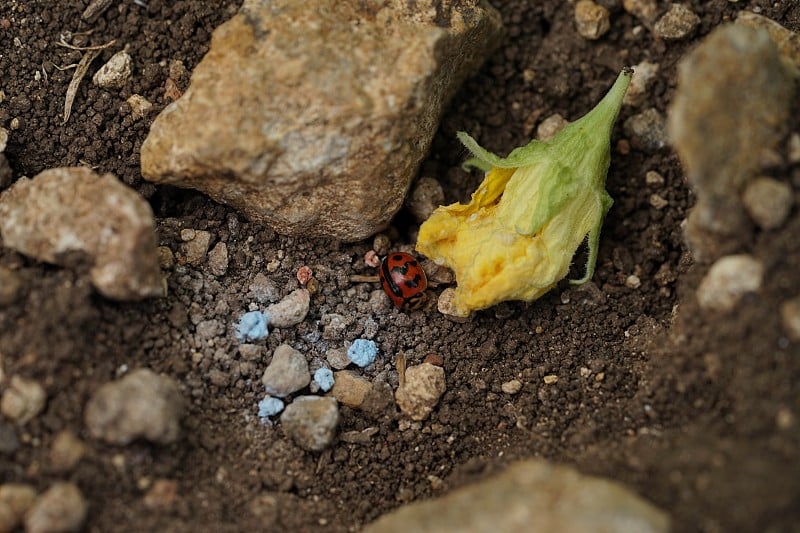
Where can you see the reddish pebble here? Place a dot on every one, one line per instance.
(434, 359)
(161, 495)
(371, 259)
(304, 274)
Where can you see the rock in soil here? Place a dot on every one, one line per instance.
(66, 451)
(287, 372)
(350, 389)
(424, 385)
(790, 318)
(15, 500)
(533, 496)
(592, 20)
(143, 404)
(61, 508)
(115, 73)
(22, 400)
(318, 125)
(311, 421)
(64, 211)
(291, 310)
(679, 22)
(728, 280)
(768, 202)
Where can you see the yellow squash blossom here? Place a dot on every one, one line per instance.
(517, 236)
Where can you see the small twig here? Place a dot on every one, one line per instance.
(95, 9)
(67, 67)
(400, 364)
(65, 44)
(80, 72)
(360, 278)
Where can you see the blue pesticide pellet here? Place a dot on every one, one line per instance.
(268, 407)
(362, 352)
(323, 377)
(252, 326)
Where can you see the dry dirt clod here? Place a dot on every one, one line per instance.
(350, 389)
(143, 404)
(286, 373)
(140, 106)
(218, 259)
(418, 395)
(647, 130)
(311, 421)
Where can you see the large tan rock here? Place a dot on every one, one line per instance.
(314, 119)
(533, 496)
(64, 212)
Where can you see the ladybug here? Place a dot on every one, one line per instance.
(403, 280)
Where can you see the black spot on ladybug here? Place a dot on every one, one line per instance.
(397, 257)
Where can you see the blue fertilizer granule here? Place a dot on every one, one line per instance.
(362, 352)
(268, 407)
(323, 377)
(252, 326)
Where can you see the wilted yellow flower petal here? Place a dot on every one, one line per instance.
(517, 236)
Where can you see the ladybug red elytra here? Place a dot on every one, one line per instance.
(403, 280)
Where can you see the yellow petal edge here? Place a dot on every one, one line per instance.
(516, 238)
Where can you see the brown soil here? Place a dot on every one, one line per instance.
(680, 406)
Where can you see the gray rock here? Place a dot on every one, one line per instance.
(730, 107)
(311, 421)
(418, 395)
(61, 508)
(317, 126)
(115, 73)
(728, 280)
(532, 496)
(679, 22)
(291, 310)
(218, 259)
(768, 202)
(67, 210)
(195, 245)
(647, 130)
(787, 41)
(15, 500)
(592, 20)
(286, 373)
(143, 404)
(337, 358)
(22, 400)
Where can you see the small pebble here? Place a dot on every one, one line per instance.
(61, 508)
(143, 404)
(218, 259)
(10, 287)
(291, 310)
(633, 282)
(677, 23)
(550, 126)
(286, 373)
(269, 406)
(637, 90)
(511, 387)
(647, 130)
(550, 379)
(728, 280)
(790, 318)
(140, 106)
(654, 179)
(115, 73)
(382, 243)
(252, 326)
(311, 421)
(446, 306)
(166, 259)
(423, 387)
(15, 500)
(372, 259)
(591, 19)
(263, 289)
(250, 352)
(66, 452)
(323, 377)
(644, 10)
(434, 359)
(22, 400)
(658, 202)
(195, 245)
(161, 495)
(425, 197)
(3, 139)
(350, 389)
(304, 274)
(337, 358)
(768, 202)
(362, 352)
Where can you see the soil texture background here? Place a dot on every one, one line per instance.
(695, 413)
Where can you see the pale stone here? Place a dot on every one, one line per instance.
(425, 197)
(311, 421)
(115, 73)
(143, 404)
(424, 385)
(62, 508)
(291, 310)
(532, 496)
(768, 202)
(790, 318)
(315, 120)
(15, 500)
(140, 106)
(644, 10)
(64, 211)
(787, 41)
(734, 81)
(647, 130)
(677, 23)
(66, 452)
(286, 373)
(637, 90)
(218, 259)
(548, 128)
(195, 245)
(511, 387)
(350, 389)
(592, 20)
(728, 280)
(22, 400)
